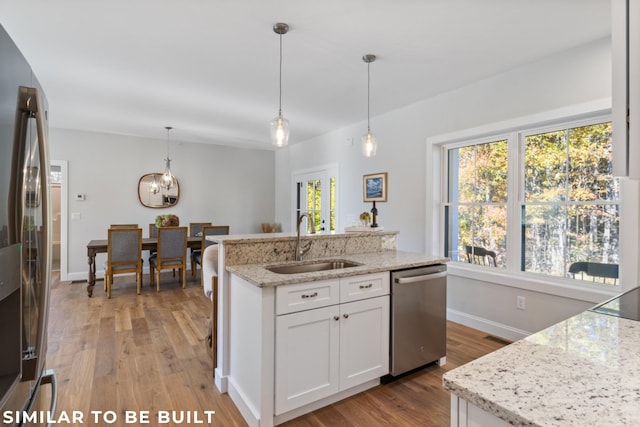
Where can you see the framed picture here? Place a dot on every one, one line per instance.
(374, 187)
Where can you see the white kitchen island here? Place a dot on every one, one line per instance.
(291, 343)
(584, 371)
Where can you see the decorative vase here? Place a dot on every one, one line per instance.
(167, 220)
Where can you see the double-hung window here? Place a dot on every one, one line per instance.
(539, 200)
(476, 211)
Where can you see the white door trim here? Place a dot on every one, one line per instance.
(64, 218)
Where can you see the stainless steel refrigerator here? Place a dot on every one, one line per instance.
(25, 243)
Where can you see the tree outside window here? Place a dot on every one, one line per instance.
(571, 210)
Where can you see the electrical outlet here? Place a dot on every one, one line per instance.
(521, 302)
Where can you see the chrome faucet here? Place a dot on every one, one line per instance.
(300, 252)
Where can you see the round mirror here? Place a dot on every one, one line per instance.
(153, 195)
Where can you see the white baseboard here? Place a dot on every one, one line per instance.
(295, 413)
(489, 326)
(221, 381)
(249, 413)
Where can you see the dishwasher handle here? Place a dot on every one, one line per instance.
(422, 278)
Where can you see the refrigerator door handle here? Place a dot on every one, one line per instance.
(49, 377)
(43, 148)
(45, 266)
(15, 210)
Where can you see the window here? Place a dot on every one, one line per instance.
(548, 192)
(477, 211)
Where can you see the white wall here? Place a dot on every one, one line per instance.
(579, 76)
(219, 184)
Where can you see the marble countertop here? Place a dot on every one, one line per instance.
(584, 371)
(373, 262)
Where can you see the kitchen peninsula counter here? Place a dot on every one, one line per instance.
(579, 372)
(372, 262)
(259, 317)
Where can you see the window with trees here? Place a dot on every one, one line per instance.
(540, 201)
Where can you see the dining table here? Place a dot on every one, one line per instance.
(148, 244)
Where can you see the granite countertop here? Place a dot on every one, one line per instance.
(268, 237)
(371, 263)
(584, 371)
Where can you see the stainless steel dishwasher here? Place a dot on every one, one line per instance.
(418, 318)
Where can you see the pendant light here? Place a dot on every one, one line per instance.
(167, 180)
(369, 141)
(280, 125)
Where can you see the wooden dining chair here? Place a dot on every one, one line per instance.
(123, 226)
(153, 234)
(172, 254)
(195, 228)
(209, 280)
(124, 255)
(153, 231)
(207, 230)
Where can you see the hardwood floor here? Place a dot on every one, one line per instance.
(147, 353)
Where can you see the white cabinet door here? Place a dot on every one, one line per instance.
(307, 345)
(364, 341)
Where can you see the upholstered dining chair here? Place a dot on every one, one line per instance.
(153, 234)
(153, 231)
(195, 228)
(124, 255)
(123, 226)
(209, 279)
(172, 254)
(207, 230)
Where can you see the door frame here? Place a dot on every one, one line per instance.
(64, 217)
(327, 171)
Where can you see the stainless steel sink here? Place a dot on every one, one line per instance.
(312, 266)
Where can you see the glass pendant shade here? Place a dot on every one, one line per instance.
(280, 131)
(369, 144)
(167, 180)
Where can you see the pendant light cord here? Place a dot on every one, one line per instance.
(280, 95)
(368, 94)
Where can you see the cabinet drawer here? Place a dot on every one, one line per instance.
(365, 286)
(305, 296)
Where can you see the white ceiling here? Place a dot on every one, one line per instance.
(209, 68)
